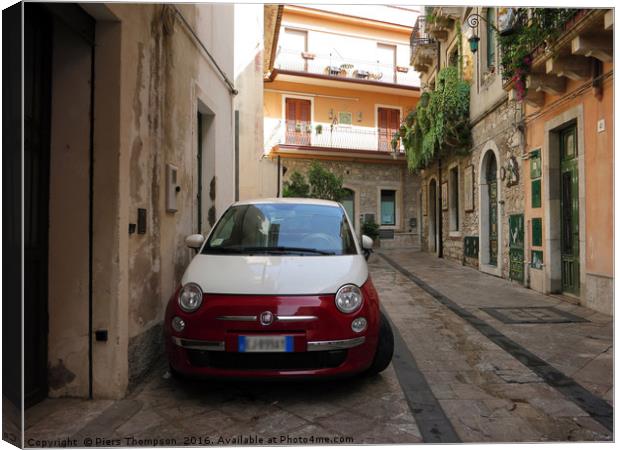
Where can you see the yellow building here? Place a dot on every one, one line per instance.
(339, 87)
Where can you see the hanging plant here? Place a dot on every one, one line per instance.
(534, 29)
(440, 122)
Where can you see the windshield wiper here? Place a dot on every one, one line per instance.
(281, 249)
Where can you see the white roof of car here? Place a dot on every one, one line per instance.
(289, 200)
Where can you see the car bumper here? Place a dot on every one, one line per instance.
(323, 343)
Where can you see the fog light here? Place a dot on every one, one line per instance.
(178, 324)
(359, 324)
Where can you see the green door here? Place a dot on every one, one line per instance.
(569, 210)
(515, 226)
(492, 186)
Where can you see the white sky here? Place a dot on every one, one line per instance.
(400, 14)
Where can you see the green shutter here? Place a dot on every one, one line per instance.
(536, 194)
(537, 232)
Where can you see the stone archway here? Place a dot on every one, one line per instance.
(490, 217)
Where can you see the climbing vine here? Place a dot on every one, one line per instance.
(533, 28)
(440, 122)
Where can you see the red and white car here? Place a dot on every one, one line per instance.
(280, 288)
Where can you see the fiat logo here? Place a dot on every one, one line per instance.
(266, 318)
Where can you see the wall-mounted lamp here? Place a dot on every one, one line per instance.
(473, 21)
(359, 116)
(330, 114)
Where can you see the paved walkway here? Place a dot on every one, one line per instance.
(459, 374)
(488, 393)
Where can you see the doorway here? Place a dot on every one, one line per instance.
(432, 216)
(58, 146)
(388, 122)
(569, 210)
(348, 201)
(298, 121)
(491, 178)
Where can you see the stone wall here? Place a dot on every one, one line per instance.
(366, 179)
(496, 132)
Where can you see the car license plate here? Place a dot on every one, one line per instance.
(266, 344)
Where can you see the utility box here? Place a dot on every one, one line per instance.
(172, 188)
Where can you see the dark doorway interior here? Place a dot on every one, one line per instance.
(37, 107)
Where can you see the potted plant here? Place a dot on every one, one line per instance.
(297, 127)
(319, 129)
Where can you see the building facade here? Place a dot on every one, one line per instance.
(130, 133)
(568, 167)
(499, 206)
(338, 91)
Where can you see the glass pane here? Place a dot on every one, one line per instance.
(388, 207)
(276, 227)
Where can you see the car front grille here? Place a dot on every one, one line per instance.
(267, 361)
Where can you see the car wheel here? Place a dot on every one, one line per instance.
(175, 374)
(385, 348)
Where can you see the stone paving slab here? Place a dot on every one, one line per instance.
(539, 412)
(486, 393)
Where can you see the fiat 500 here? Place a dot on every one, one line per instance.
(279, 288)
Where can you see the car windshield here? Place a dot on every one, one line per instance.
(282, 228)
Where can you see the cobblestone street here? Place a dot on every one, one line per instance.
(462, 371)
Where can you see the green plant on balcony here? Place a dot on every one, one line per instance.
(534, 28)
(439, 124)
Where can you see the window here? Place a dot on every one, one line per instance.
(454, 199)
(490, 38)
(388, 207)
(280, 229)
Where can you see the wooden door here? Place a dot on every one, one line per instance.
(569, 210)
(389, 122)
(386, 57)
(37, 122)
(298, 121)
(492, 187)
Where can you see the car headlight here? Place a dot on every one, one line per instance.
(349, 298)
(190, 297)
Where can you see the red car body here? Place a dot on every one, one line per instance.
(208, 346)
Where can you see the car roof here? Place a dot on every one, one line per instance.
(288, 200)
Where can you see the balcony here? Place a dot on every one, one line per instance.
(334, 66)
(322, 136)
(423, 47)
(575, 44)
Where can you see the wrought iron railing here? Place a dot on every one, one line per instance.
(321, 135)
(334, 65)
(419, 36)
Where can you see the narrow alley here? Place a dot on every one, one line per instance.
(449, 382)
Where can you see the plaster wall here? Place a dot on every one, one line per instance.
(596, 176)
(257, 175)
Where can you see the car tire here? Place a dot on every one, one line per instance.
(175, 374)
(385, 348)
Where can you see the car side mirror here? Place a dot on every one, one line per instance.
(194, 240)
(367, 244)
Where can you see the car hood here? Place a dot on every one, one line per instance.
(275, 275)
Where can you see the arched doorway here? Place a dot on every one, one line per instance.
(348, 201)
(432, 216)
(490, 225)
(491, 177)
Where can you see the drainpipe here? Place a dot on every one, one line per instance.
(440, 220)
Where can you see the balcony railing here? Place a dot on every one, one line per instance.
(334, 65)
(423, 46)
(323, 135)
